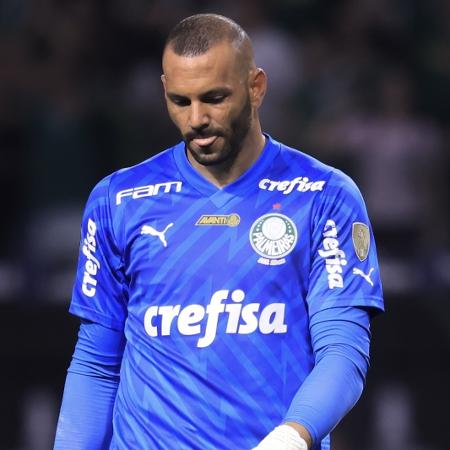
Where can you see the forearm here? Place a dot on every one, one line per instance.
(329, 392)
(85, 420)
(336, 382)
(302, 431)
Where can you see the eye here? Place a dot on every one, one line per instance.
(216, 99)
(179, 101)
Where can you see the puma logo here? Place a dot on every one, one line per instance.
(147, 229)
(357, 271)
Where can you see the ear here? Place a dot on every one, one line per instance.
(163, 79)
(258, 86)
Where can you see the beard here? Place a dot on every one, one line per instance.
(232, 140)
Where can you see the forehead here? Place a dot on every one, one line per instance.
(190, 74)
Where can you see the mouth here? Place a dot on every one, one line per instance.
(204, 141)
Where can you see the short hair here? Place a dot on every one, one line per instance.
(195, 35)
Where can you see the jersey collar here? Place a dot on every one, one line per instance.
(240, 187)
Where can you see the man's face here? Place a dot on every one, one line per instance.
(208, 100)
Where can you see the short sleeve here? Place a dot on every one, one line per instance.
(344, 264)
(99, 292)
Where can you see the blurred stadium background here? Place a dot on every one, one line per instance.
(361, 84)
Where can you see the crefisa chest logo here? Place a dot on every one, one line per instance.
(273, 236)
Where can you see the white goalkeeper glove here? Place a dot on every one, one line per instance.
(282, 437)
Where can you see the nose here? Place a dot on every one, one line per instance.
(198, 117)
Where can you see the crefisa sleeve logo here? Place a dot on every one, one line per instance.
(273, 236)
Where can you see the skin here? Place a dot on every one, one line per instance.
(302, 431)
(213, 99)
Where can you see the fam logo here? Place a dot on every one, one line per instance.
(229, 220)
(148, 191)
(273, 236)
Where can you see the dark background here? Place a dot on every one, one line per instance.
(361, 84)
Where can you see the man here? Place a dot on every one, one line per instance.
(224, 285)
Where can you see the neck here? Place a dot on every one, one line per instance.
(225, 173)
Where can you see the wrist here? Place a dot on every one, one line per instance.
(282, 437)
(302, 431)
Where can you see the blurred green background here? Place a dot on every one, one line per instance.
(361, 84)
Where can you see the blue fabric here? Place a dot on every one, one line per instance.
(215, 290)
(341, 340)
(85, 420)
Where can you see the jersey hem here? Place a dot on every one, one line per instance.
(87, 313)
(374, 302)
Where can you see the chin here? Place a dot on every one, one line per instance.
(208, 156)
(210, 159)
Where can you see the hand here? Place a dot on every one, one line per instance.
(283, 437)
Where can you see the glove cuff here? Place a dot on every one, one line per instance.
(283, 437)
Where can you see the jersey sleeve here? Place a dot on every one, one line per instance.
(99, 292)
(344, 265)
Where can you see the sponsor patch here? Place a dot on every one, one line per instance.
(91, 264)
(227, 310)
(335, 258)
(361, 240)
(300, 184)
(273, 236)
(148, 191)
(229, 220)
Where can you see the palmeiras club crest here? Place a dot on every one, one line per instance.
(273, 236)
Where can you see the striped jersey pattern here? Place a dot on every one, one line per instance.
(214, 289)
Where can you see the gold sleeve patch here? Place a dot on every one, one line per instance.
(361, 240)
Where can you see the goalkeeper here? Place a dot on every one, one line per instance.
(225, 286)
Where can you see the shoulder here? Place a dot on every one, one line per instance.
(148, 176)
(315, 173)
(149, 171)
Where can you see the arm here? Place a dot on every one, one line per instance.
(340, 339)
(85, 420)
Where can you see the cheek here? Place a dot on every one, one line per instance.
(221, 118)
(177, 117)
(236, 114)
(225, 116)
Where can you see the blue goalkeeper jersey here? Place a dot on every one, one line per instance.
(214, 289)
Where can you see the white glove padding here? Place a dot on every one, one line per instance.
(282, 437)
